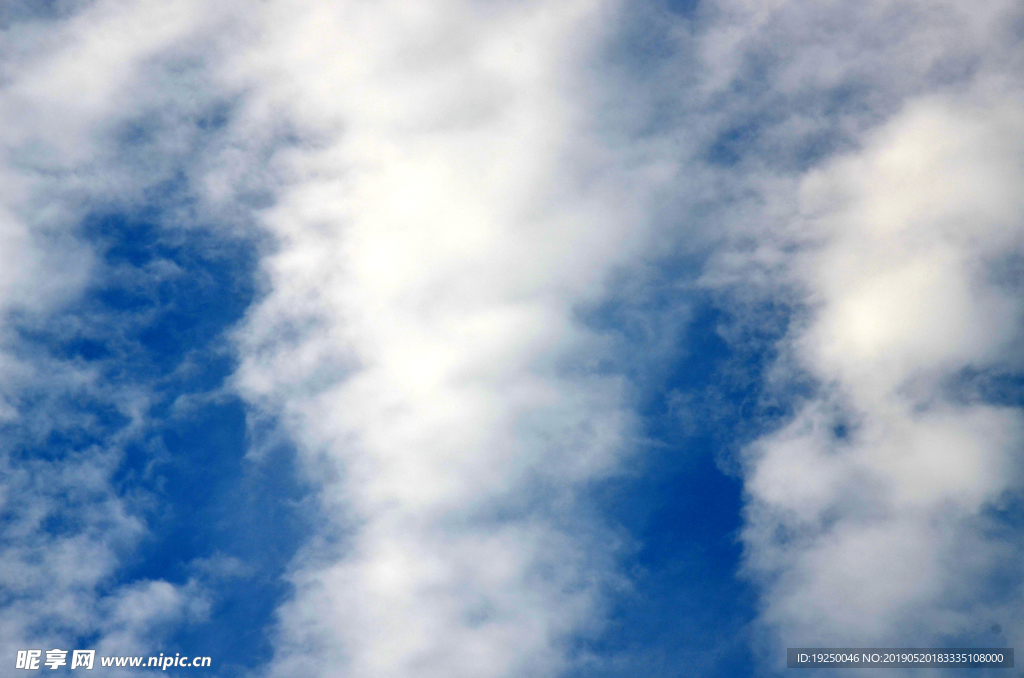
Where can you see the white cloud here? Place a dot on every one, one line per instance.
(878, 534)
(451, 209)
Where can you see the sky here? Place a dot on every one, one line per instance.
(510, 338)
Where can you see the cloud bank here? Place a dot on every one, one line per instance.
(871, 505)
(420, 339)
(878, 515)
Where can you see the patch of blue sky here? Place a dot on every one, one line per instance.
(687, 609)
(231, 524)
(683, 7)
(153, 324)
(749, 122)
(789, 132)
(1003, 387)
(17, 11)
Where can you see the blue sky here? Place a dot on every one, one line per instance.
(516, 339)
